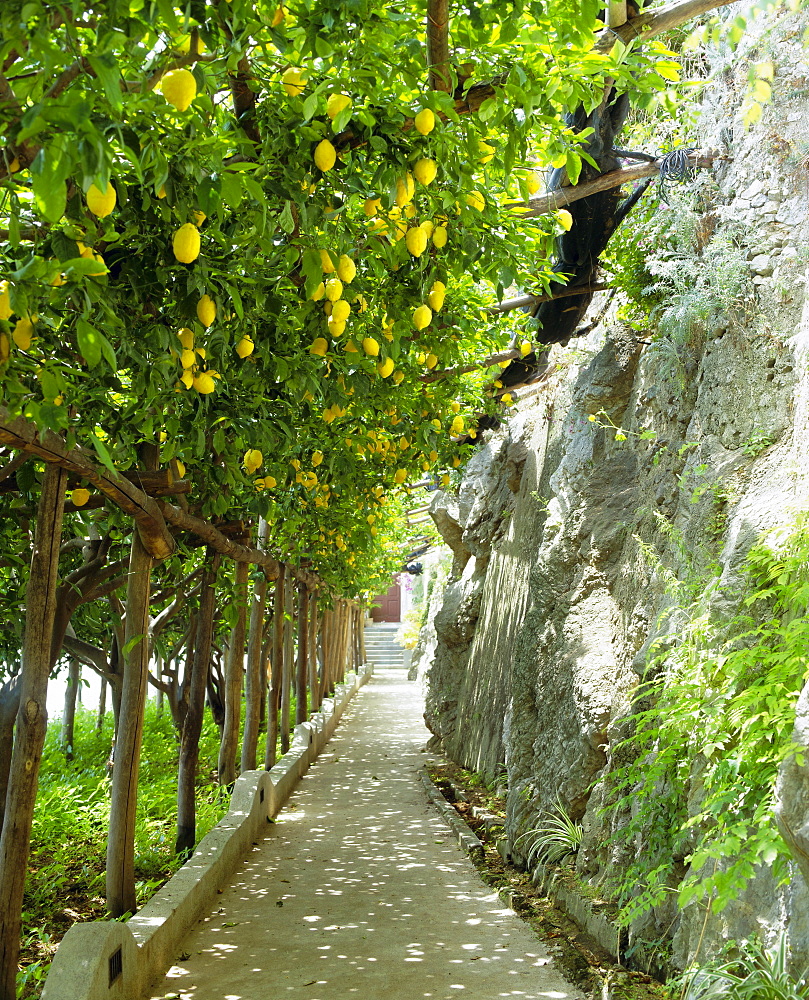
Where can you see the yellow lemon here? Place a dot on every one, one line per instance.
(293, 80)
(440, 236)
(476, 200)
(425, 170)
(507, 398)
(455, 406)
(101, 203)
(346, 269)
(5, 300)
(432, 360)
(204, 383)
(5, 348)
(337, 327)
(186, 338)
(428, 226)
(186, 243)
(405, 189)
(187, 378)
(80, 497)
(319, 346)
(206, 310)
(486, 151)
(371, 206)
(269, 482)
(252, 460)
(199, 217)
(340, 311)
(436, 296)
(385, 367)
(337, 103)
(445, 480)
(334, 289)
(422, 317)
(325, 155)
(317, 458)
(400, 475)
(161, 193)
(371, 347)
(180, 468)
(565, 219)
(351, 347)
(424, 121)
(278, 16)
(525, 347)
(179, 88)
(457, 425)
(245, 347)
(23, 333)
(14, 166)
(318, 293)
(326, 263)
(533, 182)
(456, 461)
(416, 241)
(188, 359)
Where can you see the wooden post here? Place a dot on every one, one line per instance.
(192, 723)
(363, 651)
(253, 686)
(302, 671)
(67, 735)
(326, 651)
(40, 602)
(314, 688)
(286, 662)
(274, 700)
(234, 669)
(123, 803)
(102, 705)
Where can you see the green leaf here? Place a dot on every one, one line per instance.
(106, 69)
(286, 220)
(93, 345)
(103, 453)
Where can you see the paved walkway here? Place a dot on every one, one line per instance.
(360, 889)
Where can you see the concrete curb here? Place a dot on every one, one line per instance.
(465, 837)
(110, 960)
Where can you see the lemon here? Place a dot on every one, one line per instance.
(186, 338)
(525, 347)
(340, 311)
(507, 398)
(317, 458)
(416, 241)
(433, 456)
(337, 327)
(440, 236)
(457, 425)
(371, 347)
(5, 348)
(385, 367)
(245, 347)
(487, 152)
(445, 480)
(334, 289)
(405, 189)
(351, 347)
(318, 293)
(326, 263)
(346, 269)
(325, 155)
(80, 497)
(180, 468)
(101, 203)
(278, 16)
(476, 200)
(400, 475)
(533, 182)
(198, 217)
(22, 334)
(204, 383)
(179, 88)
(422, 317)
(565, 219)
(424, 121)
(398, 377)
(371, 206)
(425, 170)
(428, 226)
(337, 103)
(404, 444)
(269, 482)
(186, 243)
(187, 378)
(436, 296)
(456, 461)
(432, 360)
(252, 460)
(5, 301)
(319, 346)
(188, 359)
(293, 80)
(14, 166)
(161, 193)
(206, 310)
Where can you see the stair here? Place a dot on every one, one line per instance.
(381, 649)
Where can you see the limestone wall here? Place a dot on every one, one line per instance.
(551, 606)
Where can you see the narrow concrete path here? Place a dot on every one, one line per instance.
(360, 889)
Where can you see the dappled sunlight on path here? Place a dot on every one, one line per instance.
(360, 889)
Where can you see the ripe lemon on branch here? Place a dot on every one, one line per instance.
(186, 243)
(206, 310)
(179, 88)
(101, 203)
(325, 155)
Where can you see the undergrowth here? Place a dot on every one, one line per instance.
(717, 722)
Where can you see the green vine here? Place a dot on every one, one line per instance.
(718, 724)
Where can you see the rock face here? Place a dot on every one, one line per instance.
(687, 445)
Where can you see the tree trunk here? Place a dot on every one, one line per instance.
(253, 687)
(40, 603)
(274, 699)
(326, 644)
(192, 724)
(286, 662)
(302, 672)
(160, 695)
(129, 734)
(314, 688)
(69, 714)
(102, 705)
(9, 706)
(234, 669)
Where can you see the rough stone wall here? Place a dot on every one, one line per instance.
(551, 605)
